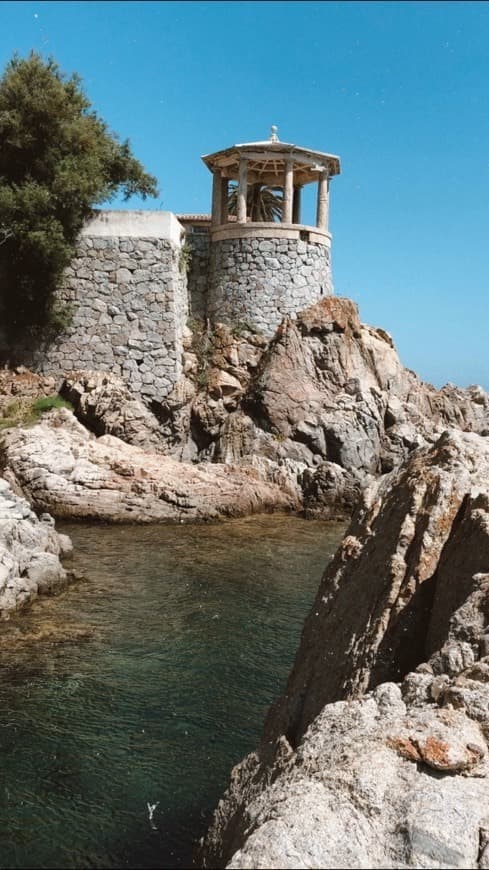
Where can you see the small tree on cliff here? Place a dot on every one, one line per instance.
(58, 159)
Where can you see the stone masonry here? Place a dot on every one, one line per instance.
(198, 245)
(259, 281)
(132, 287)
(128, 297)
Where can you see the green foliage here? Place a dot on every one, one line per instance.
(47, 403)
(263, 203)
(203, 376)
(196, 325)
(25, 412)
(60, 316)
(58, 159)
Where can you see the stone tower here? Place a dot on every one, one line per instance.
(263, 268)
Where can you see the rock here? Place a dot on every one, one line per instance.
(330, 492)
(104, 404)
(325, 389)
(18, 391)
(404, 545)
(223, 385)
(359, 791)
(23, 384)
(66, 470)
(30, 553)
(377, 753)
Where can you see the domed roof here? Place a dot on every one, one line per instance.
(266, 161)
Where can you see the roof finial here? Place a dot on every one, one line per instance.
(274, 133)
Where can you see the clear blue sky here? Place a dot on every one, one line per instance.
(400, 90)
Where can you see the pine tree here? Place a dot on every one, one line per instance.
(58, 160)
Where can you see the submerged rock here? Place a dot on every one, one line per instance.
(377, 753)
(30, 551)
(64, 469)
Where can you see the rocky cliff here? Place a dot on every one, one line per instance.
(377, 754)
(326, 405)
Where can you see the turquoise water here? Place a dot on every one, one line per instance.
(144, 683)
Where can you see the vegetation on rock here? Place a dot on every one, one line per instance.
(25, 411)
(58, 159)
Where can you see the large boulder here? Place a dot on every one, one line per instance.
(63, 468)
(380, 599)
(376, 755)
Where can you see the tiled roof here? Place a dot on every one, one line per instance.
(193, 217)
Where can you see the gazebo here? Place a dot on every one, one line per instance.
(262, 270)
(274, 164)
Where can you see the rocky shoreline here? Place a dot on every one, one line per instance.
(377, 753)
(306, 421)
(64, 469)
(30, 553)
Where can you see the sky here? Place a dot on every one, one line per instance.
(399, 90)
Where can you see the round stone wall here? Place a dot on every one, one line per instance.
(260, 281)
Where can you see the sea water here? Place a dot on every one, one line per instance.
(126, 700)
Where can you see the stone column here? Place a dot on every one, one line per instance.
(242, 190)
(288, 191)
(323, 200)
(216, 197)
(296, 207)
(224, 200)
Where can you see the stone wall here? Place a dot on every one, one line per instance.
(260, 281)
(197, 242)
(130, 303)
(128, 297)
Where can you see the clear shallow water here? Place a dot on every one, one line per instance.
(145, 683)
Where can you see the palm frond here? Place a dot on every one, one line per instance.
(263, 203)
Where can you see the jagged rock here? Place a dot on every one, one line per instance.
(66, 470)
(372, 610)
(326, 388)
(357, 771)
(30, 553)
(224, 385)
(105, 405)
